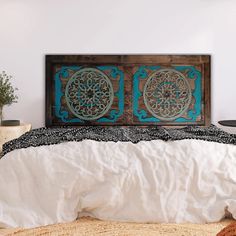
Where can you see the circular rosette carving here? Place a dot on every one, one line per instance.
(89, 94)
(167, 94)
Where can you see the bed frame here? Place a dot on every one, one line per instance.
(143, 90)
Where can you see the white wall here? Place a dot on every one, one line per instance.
(29, 29)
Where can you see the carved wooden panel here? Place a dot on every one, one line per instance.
(127, 90)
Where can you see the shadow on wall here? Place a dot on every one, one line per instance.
(31, 112)
(231, 130)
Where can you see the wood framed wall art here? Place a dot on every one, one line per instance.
(169, 90)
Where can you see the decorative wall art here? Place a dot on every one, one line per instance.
(127, 90)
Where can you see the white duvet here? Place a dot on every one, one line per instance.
(155, 181)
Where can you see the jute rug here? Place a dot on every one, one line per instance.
(94, 227)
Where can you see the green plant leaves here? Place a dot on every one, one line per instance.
(7, 91)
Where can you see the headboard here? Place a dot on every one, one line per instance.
(170, 90)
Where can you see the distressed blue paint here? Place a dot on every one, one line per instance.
(115, 114)
(141, 74)
(64, 73)
(192, 73)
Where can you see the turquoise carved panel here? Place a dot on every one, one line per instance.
(85, 94)
(167, 94)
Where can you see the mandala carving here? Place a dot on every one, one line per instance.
(167, 94)
(89, 94)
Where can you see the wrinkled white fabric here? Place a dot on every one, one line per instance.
(155, 181)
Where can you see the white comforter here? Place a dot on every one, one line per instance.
(156, 181)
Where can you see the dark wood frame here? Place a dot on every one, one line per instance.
(204, 60)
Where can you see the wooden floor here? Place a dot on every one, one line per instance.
(93, 227)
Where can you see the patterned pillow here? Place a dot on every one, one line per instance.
(229, 230)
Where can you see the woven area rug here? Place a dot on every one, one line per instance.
(94, 227)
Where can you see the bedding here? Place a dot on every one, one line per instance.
(124, 174)
(49, 136)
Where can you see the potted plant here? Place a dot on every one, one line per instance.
(7, 92)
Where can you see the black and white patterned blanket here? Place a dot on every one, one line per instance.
(50, 136)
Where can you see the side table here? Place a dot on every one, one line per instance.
(8, 133)
(230, 123)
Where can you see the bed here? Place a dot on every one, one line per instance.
(106, 154)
